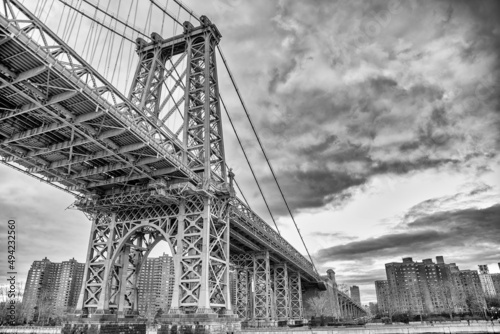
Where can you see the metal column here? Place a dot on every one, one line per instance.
(296, 308)
(262, 285)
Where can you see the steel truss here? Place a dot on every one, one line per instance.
(281, 291)
(262, 286)
(243, 266)
(197, 230)
(201, 129)
(282, 302)
(296, 307)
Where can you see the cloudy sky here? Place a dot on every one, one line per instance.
(381, 120)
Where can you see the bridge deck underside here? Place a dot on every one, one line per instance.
(64, 135)
(63, 123)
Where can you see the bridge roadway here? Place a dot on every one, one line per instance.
(63, 123)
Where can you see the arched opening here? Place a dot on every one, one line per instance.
(136, 285)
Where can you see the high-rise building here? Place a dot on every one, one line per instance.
(355, 295)
(67, 280)
(156, 285)
(404, 285)
(486, 280)
(383, 297)
(483, 269)
(427, 287)
(495, 278)
(53, 287)
(34, 284)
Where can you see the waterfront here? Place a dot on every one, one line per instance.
(445, 328)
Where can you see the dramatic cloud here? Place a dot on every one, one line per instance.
(449, 231)
(44, 225)
(360, 89)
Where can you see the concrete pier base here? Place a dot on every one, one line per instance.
(101, 326)
(199, 324)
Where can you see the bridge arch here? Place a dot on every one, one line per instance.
(127, 261)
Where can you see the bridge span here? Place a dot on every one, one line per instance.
(141, 177)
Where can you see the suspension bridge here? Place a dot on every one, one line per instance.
(147, 165)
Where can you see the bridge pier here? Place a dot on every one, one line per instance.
(197, 230)
(277, 291)
(262, 286)
(296, 304)
(281, 291)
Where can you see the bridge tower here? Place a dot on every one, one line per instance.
(193, 220)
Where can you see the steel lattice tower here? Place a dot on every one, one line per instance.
(196, 223)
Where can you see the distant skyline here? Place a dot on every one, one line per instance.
(381, 120)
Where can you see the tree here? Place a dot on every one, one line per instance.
(446, 291)
(342, 287)
(158, 315)
(45, 309)
(493, 301)
(318, 304)
(474, 304)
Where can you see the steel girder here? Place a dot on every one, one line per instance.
(296, 307)
(284, 302)
(243, 267)
(202, 129)
(248, 221)
(281, 291)
(72, 82)
(202, 126)
(197, 230)
(262, 286)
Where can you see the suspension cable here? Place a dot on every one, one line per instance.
(166, 12)
(189, 11)
(248, 162)
(256, 135)
(116, 18)
(264, 152)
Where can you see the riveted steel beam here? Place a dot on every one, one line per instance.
(49, 127)
(67, 144)
(86, 158)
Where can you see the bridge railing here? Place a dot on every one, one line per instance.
(343, 294)
(258, 226)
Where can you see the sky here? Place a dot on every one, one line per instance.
(380, 118)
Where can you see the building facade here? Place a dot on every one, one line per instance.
(487, 284)
(495, 278)
(355, 294)
(429, 288)
(156, 286)
(383, 297)
(53, 287)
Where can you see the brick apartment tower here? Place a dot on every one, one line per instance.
(427, 287)
(383, 297)
(156, 285)
(53, 287)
